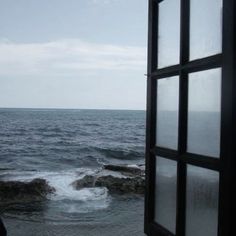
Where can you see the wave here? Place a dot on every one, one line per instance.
(89, 199)
(121, 153)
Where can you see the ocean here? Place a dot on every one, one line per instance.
(60, 145)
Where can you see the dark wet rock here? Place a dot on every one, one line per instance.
(116, 178)
(36, 190)
(125, 169)
(87, 182)
(114, 184)
(121, 185)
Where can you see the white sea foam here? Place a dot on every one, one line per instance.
(92, 198)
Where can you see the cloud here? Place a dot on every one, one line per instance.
(67, 57)
(103, 1)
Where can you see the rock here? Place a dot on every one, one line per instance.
(114, 184)
(116, 178)
(125, 169)
(86, 182)
(122, 185)
(36, 190)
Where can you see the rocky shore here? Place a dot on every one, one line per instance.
(35, 190)
(119, 179)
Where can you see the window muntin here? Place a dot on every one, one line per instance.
(204, 105)
(205, 28)
(185, 157)
(167, 112)
(169, 33)
(165, 194)
(202, 202)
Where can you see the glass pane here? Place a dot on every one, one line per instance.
(204, 113)
(167, 112)
(202, 202)
(169, 33)
(165, 200)
(205, 28)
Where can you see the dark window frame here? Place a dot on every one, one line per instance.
(226, 164)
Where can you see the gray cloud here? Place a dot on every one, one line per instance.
(67, 57)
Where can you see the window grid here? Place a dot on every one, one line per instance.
(181, 156)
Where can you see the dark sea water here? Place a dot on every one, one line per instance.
(60, 146)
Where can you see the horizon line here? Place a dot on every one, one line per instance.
(62, 108)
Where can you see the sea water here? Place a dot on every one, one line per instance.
(62, 145)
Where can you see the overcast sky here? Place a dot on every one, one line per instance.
(73, 53)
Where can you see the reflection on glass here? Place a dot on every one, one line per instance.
(167, 112)
(169, 33)
(204, 113)
(165, 194)
(205, 28)
(202, 202)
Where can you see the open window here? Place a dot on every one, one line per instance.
(190, 153)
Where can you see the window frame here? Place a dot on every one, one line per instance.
(226, 163)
